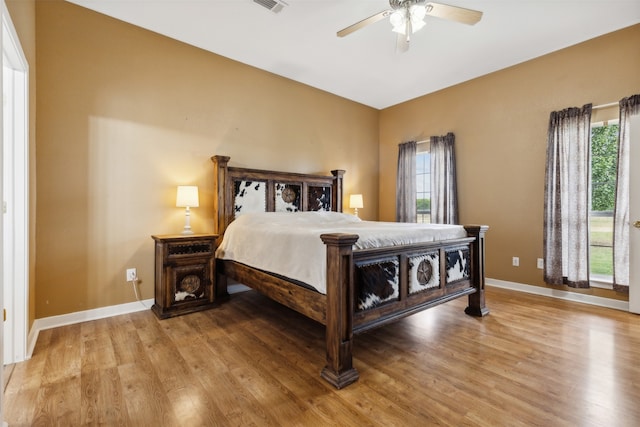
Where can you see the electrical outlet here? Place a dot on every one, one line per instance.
(540, 263)
(515, 261)
(132, 274)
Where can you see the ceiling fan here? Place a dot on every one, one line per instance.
(407, 17)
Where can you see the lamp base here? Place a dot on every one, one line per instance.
(187, 222)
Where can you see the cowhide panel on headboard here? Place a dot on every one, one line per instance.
(249, 196)
(240, 191)
(319, 198)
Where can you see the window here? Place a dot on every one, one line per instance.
(423, 183)
(604, 146)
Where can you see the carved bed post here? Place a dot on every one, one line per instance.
(336, 197)
(221, 220)
(339, 370)
(220, 182)
(477, 305)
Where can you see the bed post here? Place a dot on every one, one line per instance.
(336, 197)
(477, 305)
(221, 219)
(339, 370)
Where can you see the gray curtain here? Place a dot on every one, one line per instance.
(628, 107)
(567, 196)
(406, 210)
(444, 192)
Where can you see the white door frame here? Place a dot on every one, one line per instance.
(15, 192)
(634, 214)
(2, 13)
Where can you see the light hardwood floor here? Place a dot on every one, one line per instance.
(532, 361)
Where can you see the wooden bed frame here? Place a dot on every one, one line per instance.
(337, 310)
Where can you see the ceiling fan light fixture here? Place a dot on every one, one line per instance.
(413, 17)
(417, 12)
(399, 21)
(417, 25)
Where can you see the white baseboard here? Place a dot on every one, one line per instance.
(82, 316)
(560, 294)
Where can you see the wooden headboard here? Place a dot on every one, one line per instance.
(241, 190)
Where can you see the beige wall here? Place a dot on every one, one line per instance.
(23, 16)
(125, 115)
(500, 122)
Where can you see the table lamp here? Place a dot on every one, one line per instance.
(187, 197)
(355, 202)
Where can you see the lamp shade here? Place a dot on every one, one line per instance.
(187, 196)
(355, 201)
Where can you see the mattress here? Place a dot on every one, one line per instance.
(289, 244)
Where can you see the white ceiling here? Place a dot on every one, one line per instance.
(300, 42)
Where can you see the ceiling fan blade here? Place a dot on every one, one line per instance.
(453, 13)
(370, 20)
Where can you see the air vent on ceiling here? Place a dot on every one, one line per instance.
(274, 6)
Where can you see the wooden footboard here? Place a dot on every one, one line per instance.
(369, 288)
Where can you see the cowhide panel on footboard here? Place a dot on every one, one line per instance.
(458, 264)
(378, 281)
(431, 272)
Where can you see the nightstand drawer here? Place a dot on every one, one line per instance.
(189, 249)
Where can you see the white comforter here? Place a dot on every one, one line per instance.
(289, 244)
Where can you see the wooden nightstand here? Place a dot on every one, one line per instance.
(185, 274)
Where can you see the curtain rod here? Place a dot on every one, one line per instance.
(423, 141)
(611, 104)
